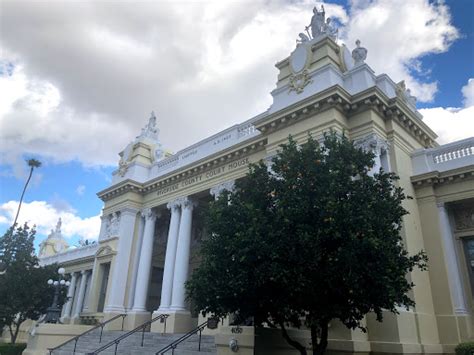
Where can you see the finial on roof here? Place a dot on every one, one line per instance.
(359, 54)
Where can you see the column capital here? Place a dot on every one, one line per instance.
(217, 190)
(440, 204)
(372, 143)
(175, 204)
(188, 203)
(149, 214)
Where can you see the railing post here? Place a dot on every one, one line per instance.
(101, 330)
(123, 319)
(200, 331)
(116, 346)
(164, 328)
(143, 334)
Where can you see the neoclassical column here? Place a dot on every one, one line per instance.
(168, 272)
(217, 190)
(144, 266)
(181, 268)
(70, 296)
(136, 261)
(81, 294)
(454, 274)
(126, 229)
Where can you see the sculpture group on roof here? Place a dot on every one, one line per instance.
(319, 26)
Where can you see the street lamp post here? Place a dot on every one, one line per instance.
(53, 312)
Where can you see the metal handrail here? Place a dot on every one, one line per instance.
(76, 338)
(175, 343)
(140, 327)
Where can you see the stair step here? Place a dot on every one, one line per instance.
(152, 342)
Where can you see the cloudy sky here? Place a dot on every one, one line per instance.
(78, 80)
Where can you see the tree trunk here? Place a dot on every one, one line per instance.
(319, 348)
(21, 198)
(14, 333)
(292, 342)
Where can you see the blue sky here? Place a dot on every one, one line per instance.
(78, 81)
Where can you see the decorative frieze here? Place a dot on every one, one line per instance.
(112, 225)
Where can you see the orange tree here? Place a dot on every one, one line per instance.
(313, 239)
(24, 292)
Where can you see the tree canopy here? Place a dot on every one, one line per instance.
(311, 238)
(24, 292)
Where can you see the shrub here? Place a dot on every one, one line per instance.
(465, 349)
(12, 349)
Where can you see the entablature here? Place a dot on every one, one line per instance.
(338, 98)
(434, 178)
(201, 166)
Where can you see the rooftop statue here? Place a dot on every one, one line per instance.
(58, 226)
(330, 29)
(317, 21)
(359, 54)
(319, 26)
(150, 130)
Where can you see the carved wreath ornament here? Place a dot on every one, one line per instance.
(299, 81)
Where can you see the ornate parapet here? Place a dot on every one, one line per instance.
(84, 252)
(446, 157)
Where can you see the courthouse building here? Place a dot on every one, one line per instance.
(151, 233)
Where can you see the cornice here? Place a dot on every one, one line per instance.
(200, 166)
(436, 178)
(338, 98)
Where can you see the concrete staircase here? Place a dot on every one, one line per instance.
(132, 344)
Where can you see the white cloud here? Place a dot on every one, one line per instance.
(452, 124)
(468, 93)
(45, 217)
(88, 73)
(397, 34)
(80, 190)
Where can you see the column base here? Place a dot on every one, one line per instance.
(65, 320)
(136, 318)
(75, 320)
(178, 322)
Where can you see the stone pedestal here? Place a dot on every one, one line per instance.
(243, 337)
(134, 319)
(47, 336)
(178, 322)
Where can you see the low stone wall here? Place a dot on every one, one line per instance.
(47, 336)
